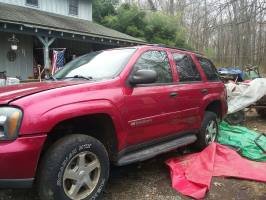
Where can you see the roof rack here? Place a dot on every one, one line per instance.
(171, 47)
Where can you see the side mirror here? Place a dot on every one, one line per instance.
(143, 76)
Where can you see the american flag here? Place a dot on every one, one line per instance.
(58, 60)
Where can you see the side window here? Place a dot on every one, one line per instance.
(209, 69)
(186, 68)
(157, 61)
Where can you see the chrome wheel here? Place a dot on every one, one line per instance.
(211, 132)
(81, 175)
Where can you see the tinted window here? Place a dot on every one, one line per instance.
(209, 69)
(157, 61)
(32, 2)
(73, 7)
(186, 68)
(97, 65)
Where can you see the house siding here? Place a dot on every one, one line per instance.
(58, 7)
(22, 66)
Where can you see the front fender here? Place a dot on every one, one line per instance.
(44, 122)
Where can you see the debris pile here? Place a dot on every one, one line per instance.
(192, 174)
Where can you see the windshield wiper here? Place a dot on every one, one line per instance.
(80, 77)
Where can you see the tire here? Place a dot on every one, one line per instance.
(209, 120)
(75, 167)
(261, 112)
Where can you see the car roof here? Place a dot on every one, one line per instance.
(161, 46)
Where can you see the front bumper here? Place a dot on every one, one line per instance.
(18, 161)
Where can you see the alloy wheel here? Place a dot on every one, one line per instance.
(81, 175)
(211, 132)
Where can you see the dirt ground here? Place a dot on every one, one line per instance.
(150, 180)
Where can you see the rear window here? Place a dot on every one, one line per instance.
(209, 69)
(186, 68)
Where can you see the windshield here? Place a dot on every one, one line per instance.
(97, 65)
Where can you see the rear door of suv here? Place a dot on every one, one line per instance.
(190, 89)
(213, 86)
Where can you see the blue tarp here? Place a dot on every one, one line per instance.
(231, 71)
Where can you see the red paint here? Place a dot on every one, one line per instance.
(10, 93)
(154, 113)
(18, 158)
(192, 174)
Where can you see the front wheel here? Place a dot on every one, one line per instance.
(208, 132)
(76, 167)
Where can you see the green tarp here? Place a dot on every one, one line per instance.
(244, 139)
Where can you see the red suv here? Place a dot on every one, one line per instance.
(116, 106)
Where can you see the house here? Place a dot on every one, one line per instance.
(31, 29)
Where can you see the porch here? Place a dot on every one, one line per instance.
(37, 33)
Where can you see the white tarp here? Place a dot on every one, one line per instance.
(9, 81)
(242, 95)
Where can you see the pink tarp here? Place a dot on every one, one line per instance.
(191, 174)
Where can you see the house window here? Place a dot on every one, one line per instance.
(73, 7)
(32, 2)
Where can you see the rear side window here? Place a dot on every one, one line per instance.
(157, 61)
(186, 68)
(209, 69)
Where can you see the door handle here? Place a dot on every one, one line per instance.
(204, 91)
(173, 94)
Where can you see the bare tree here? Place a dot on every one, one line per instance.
(152, 5)
(231, 32)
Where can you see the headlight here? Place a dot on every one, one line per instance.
(10, 120)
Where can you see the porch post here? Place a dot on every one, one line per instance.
(46, 43)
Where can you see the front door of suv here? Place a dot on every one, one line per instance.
(189, 89)
(148, 107)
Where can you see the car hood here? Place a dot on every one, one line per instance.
(10, 93)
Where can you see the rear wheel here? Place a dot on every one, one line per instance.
(75, 167)
(208, 132)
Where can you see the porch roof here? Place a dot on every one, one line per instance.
(29, 18)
